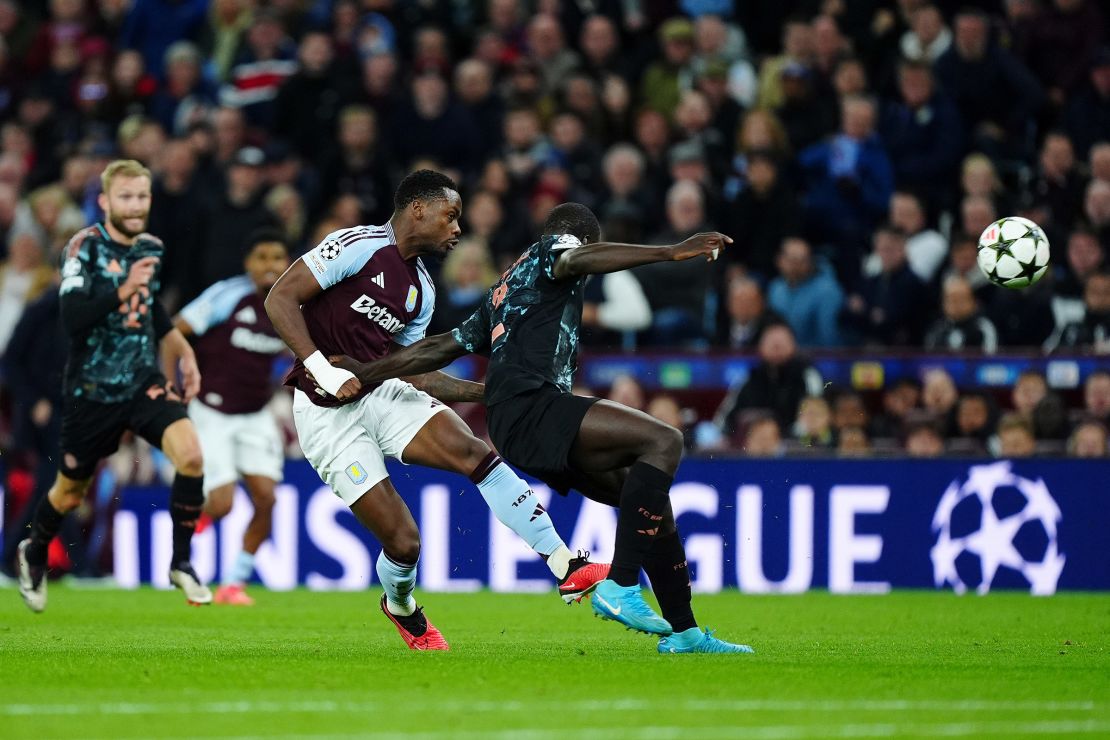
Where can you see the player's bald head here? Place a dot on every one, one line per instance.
(575, 219)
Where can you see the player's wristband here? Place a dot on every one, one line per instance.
(327, 376)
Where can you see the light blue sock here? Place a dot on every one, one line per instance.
(398, 580)
(516, 506)
(242, 570)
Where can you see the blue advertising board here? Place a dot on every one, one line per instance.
(778, 526)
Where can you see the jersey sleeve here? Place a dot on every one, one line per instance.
(418, 327)
(213, 306)
(76, 264)
(473, 335)
(339, 257)
(82, 303)
(551, 248)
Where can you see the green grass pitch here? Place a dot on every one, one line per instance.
(116, 664)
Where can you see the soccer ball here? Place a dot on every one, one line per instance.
(997, 529)
(1013, 252)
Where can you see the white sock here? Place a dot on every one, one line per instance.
(398, 580)
(559, 562)
(241, 572)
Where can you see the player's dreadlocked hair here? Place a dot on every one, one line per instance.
(573, 218)
(422, 185)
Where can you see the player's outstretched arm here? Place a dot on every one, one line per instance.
(430, 353)
(283, 305)
(603, 257)
(447, 388)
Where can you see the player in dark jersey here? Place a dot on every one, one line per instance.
(236, 346)
(528, 326)
(112, 379)
(364, 292)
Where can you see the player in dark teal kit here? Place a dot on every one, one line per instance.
(112, 379)
(528, 326)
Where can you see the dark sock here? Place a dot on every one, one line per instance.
(645, 500)
(186, 503)
(44, 527)
(666, 568)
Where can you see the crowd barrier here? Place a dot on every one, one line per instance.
(762, 526)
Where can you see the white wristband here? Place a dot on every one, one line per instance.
(327, 376)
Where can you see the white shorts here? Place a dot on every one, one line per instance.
(347, 445)
(237, 444)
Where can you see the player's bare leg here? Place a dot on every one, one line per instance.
(182, 447)
(385, 514)
(446, 443)
(63, 497)
(261, 491)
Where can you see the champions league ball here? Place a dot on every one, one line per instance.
(997, 529)
(1013, 252)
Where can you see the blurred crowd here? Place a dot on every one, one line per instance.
(854, 149)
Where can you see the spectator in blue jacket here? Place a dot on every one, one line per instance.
(807, 295)
(850, 182)
(996, 94)
(153, 26)
(923, 135)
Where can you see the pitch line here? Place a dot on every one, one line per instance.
(747, 732)
(587, 705)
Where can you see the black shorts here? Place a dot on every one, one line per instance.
(536, 430)
(91, 431)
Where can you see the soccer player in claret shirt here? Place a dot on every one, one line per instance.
(364, 292)
(528, 326)
(112, 378)
(236, 346)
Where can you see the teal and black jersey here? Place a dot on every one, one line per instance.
(113, 349)
(528, 324)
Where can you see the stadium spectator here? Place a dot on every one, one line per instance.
(228, 21)
(679, 294)
(1096, 396)
(778, 383)
(601, 51)
(849, 181)
(1087, 113)
(1058, 184)
(763, 437)
(238, 211)
(922, 134)
(887, 308)
(1015, 436)
(547, 47)
(666, 409)
(308, 103)
(356, 165)
(853, 442)
(1061, 44)
(797, 48)
(265, 61)
(979, 177)
(962, 326)
(614, 306)
(24, 276)
(431, 125)
(924, 440)
(625, 189)
(807, 113)
(1098, 161)
(1088, 440)
(577, 154)
(928, 37)
(185, 95)
(474, 90)
(997, 96)
(849, 410)
(664, 80)
(976, 214)
(626, 390)
(466, 274)
(713, 82)
(1042, 408)
(746, 314)
(1096, 207)
(153, 26)
(1084, 257)
(1093, 331)
(939, 396)
(693, 119)
(761, 214)
(176, 212)
(813, 427)
(899, 401)
(974, 422)
(806, 294)
(926, 249)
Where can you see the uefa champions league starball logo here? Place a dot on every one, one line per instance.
(997, 528)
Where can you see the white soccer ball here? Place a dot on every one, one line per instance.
(1013, 252)
(997, 529)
